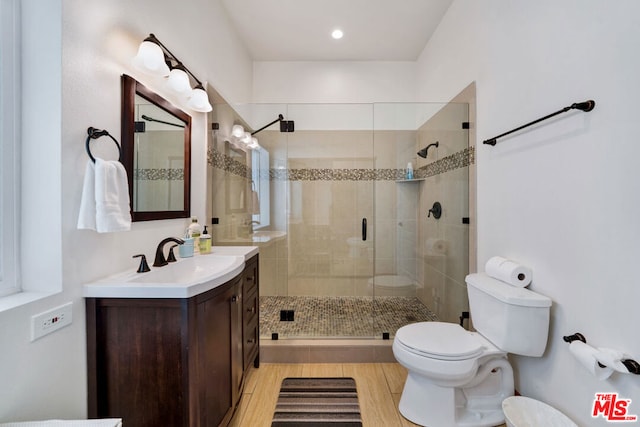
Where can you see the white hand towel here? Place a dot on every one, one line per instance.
(87, 216)
(105, 204)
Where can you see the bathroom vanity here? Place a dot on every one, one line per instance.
(174, 353)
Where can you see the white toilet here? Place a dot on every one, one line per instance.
(460, 378)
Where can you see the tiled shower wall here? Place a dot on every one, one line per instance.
(324, 182)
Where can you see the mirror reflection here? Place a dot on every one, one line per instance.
(156, 139)
(158, 159)
(237, 185)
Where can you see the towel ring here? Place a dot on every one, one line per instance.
(94, 133)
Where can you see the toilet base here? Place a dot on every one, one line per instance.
(427, 404)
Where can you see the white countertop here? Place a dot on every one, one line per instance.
(185, 278)
(258, 238)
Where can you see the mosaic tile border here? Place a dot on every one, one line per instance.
(161, 174)
(461, 159)
(221, 161)
(458, 160)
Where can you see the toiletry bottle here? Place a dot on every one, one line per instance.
(409, 171)
(194, 233)
(205, 242)
(185, 250)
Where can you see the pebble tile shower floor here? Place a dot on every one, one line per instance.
(340, 317)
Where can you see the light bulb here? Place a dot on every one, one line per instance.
(254, 143)
(246, 139)
(237, 131)
(178, 80)
(150, 59)
(199, 100)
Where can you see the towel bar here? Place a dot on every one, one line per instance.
(94, 133)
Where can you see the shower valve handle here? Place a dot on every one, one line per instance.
(364, 229)
(436, 210)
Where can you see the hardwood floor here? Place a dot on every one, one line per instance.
(379, 389)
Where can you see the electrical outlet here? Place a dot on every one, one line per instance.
(51, 320)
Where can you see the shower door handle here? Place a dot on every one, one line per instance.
(364, 228)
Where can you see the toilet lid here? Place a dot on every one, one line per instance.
(439, 340)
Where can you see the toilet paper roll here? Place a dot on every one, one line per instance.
(587, 356)
(611, 358)
(435, 246)
(508, 271)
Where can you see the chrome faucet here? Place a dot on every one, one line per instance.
(160, 259)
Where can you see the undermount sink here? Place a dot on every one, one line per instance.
(181, 279)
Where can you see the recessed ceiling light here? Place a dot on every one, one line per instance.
(337, 34)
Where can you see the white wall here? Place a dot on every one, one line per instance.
(334, 82)
(47, 378)
(563, 197)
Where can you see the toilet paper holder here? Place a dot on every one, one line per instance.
(631, 365)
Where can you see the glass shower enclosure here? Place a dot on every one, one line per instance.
(348, 246)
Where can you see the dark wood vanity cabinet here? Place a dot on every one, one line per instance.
(173, 362)
(250, 315)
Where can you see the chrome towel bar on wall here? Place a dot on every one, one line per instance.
(585, 106)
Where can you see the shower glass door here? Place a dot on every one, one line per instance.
(322, 190)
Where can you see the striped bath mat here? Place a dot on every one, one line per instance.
(311, 402)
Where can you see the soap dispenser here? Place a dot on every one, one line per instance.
(205, 242)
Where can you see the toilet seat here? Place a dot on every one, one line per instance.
(441, 341)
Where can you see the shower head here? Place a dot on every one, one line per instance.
(423, 153)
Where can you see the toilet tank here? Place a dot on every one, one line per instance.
(514, 319)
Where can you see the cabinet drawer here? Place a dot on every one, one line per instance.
(251, 337)
(250, 307)
(250, 279)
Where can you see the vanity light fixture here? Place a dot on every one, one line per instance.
(239, 135)
(242, 139)
(337, 34)
(154, 58)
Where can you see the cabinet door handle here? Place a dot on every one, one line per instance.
(249, 279)
(236, 298)
(251, 341)
(251, 310)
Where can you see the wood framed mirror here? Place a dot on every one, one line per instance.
(156, 153)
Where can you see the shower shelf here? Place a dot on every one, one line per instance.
(400, 181)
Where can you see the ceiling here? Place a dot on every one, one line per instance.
(300, 30)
